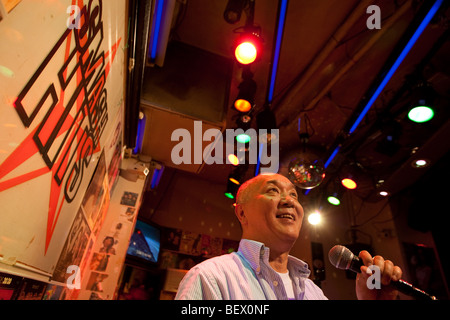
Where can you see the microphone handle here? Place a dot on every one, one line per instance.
(409, 289)
(400, 285)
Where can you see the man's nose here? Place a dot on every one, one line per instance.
(287, 200)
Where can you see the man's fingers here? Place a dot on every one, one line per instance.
(379, 262)
(366, 258)
(386, 276)
(397, 273)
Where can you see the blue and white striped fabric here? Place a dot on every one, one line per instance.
(246, 275)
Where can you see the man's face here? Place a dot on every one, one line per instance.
(271, 211)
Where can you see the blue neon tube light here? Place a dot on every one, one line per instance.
(140, 135)
(156, 177)
(261, 146)
(327, 163)
(159, 10)
(276, 55)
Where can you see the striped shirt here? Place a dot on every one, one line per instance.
(246, 275)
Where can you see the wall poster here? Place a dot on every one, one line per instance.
(62, 69)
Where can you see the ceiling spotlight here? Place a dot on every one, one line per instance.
(243, 104)
(383, 193)
(334, 199)
(233, 159)
(420, 163)
(243, 138)
(229, 195)
(421, 114)
(422, 96)
(247, 90)
(349, 183)
(234, 180)
(315, 218)
(233, 11)
(235, 177)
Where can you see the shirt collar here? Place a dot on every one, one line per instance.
(256, 252)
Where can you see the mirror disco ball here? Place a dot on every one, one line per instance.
(306, 174)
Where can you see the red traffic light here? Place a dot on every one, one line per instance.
(247, 48)
(246, 52)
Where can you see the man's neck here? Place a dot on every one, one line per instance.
(279, 253)
(278, 260)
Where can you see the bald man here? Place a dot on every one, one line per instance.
(271, 218)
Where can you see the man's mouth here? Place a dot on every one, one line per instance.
(286, 216)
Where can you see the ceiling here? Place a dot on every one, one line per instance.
(329, 64)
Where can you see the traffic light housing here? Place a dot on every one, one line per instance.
(248, 46)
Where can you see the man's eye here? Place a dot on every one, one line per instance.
(294, 195)
(273, 190)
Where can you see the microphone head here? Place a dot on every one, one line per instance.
(340, 257)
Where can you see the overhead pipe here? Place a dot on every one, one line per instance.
(332, 43)
(359, 54)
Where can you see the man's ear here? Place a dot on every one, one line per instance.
(239, 211)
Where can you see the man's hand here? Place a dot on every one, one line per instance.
(388, 272)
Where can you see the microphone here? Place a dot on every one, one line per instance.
(342, 258)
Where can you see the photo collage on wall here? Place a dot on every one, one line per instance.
(85, 230)
(87, 226)
(182, 249)
(108, 253)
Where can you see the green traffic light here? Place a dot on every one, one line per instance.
(243, 138)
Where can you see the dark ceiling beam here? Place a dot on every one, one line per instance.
(335, 40)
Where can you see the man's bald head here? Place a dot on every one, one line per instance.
(249, 186)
